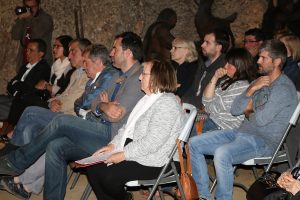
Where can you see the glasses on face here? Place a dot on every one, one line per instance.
(144, 74)
(177, 47)
(72, 51)
(30, 50)
(250, 41)
(56, 46)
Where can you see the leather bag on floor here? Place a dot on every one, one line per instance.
(187, 181)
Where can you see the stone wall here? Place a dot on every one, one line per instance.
(103, 19)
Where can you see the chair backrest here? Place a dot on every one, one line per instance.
(191, 112)
(292, 122)
(295, 115)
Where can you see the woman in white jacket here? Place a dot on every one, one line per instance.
(143, 144)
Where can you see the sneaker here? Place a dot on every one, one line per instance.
(8, 184)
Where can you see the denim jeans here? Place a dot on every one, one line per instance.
(32, 121)
(228, 147)
(66, 138)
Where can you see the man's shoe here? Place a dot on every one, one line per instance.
(14, 188)
(6, 168)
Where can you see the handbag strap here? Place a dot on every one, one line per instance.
(180, 156)
(188, 161)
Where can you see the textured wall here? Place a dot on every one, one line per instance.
(103, 19)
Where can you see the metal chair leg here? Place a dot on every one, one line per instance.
(254, 169)
(86, 193)
(215, 182)
(75, 180)
(161, 194)
(70, 175)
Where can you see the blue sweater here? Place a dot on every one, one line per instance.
(273, 106)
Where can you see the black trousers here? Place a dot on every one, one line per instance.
(19, 104)
(108, 181)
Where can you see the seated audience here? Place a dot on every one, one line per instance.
(268, 104)
(291, 68)
(239, 73)
(67, 138)
(35, 118)
(184, 53)
(253, 39)
(97, 65)
(214, 47)
(61, 69)
(22, 86)
(150, 134)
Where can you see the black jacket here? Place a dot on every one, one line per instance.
(39, 72)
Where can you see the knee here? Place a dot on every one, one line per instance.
(195, 145)
(61, 120)
(55, 150)
(222, 157)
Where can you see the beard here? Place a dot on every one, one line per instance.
(265, 70)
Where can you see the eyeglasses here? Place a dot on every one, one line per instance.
(144, 74)
(56, 46)
(31, 50)
(250, 41)
(176, 47)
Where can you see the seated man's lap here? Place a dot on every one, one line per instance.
(229, 144)
(32, 121)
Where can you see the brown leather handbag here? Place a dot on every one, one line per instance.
(187, 181)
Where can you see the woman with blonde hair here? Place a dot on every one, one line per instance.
(291, 67)
(184, 53)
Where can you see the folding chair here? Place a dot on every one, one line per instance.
(164, 177)
(280, 155)
(171, 176)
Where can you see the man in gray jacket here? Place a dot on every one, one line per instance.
(268, 103)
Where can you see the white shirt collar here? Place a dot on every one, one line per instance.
(95, 77)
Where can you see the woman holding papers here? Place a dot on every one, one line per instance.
(143, 144)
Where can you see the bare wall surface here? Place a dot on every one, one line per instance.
(103, 19)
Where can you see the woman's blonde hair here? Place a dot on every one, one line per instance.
(292, 43)
(192, 54)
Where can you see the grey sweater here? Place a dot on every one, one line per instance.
(219, 106)
(273, 106)
(155, 132)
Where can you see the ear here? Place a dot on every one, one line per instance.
(277, 62)
(128, 53)
(219, 47)
(41, 54)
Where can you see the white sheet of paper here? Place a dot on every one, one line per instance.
(94, 159)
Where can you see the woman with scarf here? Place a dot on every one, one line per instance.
(143, 144)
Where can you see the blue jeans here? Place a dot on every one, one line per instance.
(208, 125)
(66, 138)
(229, 148)
(32, 121)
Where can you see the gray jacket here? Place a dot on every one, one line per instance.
(273, 107)
(155, 132)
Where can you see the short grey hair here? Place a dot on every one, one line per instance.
(98, 51)
(276, 50)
